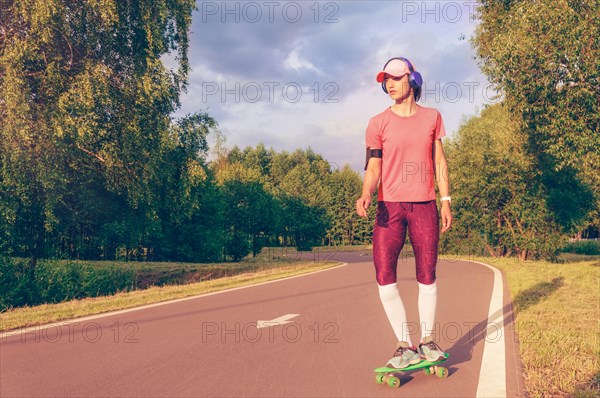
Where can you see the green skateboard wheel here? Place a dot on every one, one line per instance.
(393, 382)
(441, 372)
(380, 378)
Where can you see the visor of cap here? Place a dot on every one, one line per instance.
(395, 67)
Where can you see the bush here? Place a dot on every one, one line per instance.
(238, 246)
(589, 247)
(14, 283)
(108, 279)
(454, 243)
(55, 281)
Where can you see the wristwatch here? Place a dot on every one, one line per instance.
(444, 198)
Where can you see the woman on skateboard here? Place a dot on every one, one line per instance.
(404, 157)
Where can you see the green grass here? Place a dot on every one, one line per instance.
(557, 309)
(257, 272)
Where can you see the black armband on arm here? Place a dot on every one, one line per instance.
(372, 153)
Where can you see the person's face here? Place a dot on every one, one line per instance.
(398, 87)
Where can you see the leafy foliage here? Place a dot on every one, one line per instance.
(57, 281)
(345, 186)
(587, 247)
(501, 205)
(544, 57)
(291, 199)
(84, 118)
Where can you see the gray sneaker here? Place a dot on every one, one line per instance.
(404, 356)
(430, 351)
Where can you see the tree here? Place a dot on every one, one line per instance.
(345, 186)
(304, 226)
(500, 203)
(84, 109)
(189, 203)
(297, 182)
(544, 58)
(250, 211)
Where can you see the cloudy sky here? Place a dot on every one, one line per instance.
(302, 74)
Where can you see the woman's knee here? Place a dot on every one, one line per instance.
(385, 277)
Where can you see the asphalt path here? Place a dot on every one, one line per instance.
(336, 334)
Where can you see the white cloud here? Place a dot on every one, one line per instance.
(337, 61)
(296, 62)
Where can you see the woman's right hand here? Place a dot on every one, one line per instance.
(362, 204)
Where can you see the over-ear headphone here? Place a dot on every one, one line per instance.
(415, 80)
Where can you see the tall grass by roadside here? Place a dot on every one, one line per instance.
(55, 281)
(557, 309)
(47, 313)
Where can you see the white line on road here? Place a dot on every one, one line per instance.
(492, 376)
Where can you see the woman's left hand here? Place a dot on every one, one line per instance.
(446, 215)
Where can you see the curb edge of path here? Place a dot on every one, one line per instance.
(67, 322)
(493, 378)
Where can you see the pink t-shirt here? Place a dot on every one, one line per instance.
(407, 172)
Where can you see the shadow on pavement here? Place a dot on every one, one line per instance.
(462, 350)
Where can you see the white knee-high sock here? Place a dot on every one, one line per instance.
(427, 305)
(394, 309)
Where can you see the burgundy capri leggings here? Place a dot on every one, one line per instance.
(389, 235)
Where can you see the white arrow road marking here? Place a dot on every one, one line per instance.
(277, 321)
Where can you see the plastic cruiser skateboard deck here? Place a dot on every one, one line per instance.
(391, 376)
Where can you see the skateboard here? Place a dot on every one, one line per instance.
(391, 376)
